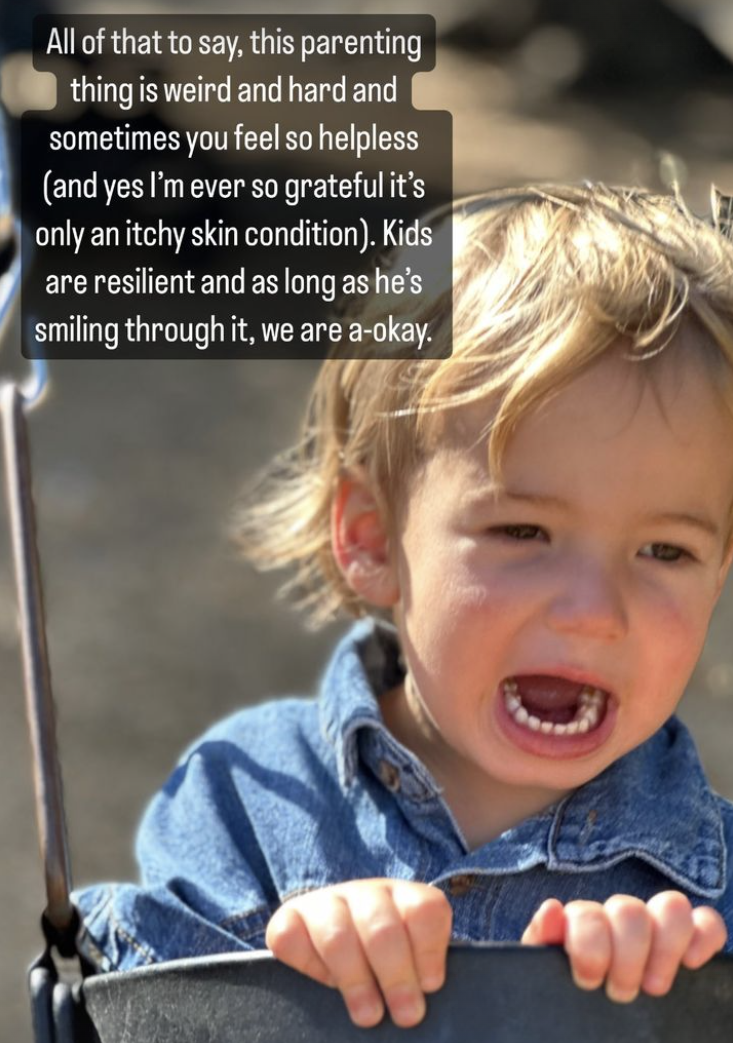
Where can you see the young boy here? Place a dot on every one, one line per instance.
(542, 523)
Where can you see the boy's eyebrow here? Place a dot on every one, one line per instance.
(540, 499)
(697, 521)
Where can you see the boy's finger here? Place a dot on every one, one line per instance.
(631, 939)
(428, 918)
(336, 940)
(288, 939)
(673, 931)
(709, 937)
(387, 948)
(587, 943)
(547, 926)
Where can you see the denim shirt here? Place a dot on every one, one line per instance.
(299, 794)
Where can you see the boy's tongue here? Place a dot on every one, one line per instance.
(550, 698)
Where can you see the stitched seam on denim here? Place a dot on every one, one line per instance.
(721, 835)
(422, 872)
(554, 833)
(99, 907)
(662, 867)
(87, 939)
(147, 953)
(262, 912)
(253, 931)
(686, 870)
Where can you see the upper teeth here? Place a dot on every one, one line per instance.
(586, 716)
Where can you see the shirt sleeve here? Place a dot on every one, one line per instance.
(205, 886)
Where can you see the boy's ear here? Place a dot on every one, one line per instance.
(360, 542)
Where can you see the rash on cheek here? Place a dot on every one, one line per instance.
(681, 635)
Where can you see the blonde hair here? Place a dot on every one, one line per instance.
(545, 280)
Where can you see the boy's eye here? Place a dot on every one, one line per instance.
(520, 532)
(663, 552)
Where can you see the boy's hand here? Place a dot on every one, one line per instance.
(377, 941)
(630, 945)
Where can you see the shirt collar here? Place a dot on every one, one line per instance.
(366, 664)
(654, 803)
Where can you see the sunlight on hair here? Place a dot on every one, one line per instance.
(546, 280)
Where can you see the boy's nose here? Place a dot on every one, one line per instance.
(591, 602)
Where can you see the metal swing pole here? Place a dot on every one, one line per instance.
(37, 675)
(15, 401)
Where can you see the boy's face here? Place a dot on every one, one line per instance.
(580, 591)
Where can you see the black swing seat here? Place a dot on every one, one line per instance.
(493, 994)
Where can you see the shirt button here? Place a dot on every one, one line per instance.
(390, 775)
(461, 884)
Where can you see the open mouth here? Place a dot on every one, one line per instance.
(554, 705)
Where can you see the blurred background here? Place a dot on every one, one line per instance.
(155, 628)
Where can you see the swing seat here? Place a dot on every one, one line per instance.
(496, 993)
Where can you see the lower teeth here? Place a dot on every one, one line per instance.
(587, 714)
